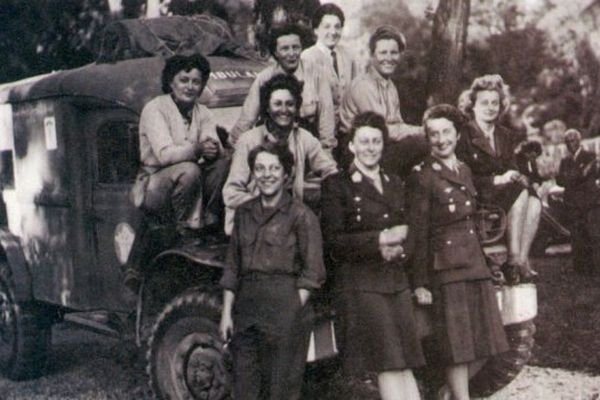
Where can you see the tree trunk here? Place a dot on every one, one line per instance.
(115, 7)
(152, 8)
(447, 52)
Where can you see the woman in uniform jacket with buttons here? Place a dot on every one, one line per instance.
(364, 229)
(489, 150)
(448, 265)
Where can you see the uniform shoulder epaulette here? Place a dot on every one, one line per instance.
(418, 167)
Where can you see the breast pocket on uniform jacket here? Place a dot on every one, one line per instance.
(279, 248)
(456, 249)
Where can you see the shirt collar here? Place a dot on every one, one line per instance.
(373, 73)
(298, 73)
(325, 49)
(259, 213)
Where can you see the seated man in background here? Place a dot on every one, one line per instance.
(316, 113)
(280, 102)
(578, 174)
(375, 91)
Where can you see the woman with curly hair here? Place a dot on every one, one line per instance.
(489, 150)
(280, 102)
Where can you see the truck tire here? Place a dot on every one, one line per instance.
(25, 333)
(185, 352)
(502, 369)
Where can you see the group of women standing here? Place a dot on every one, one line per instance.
(392, 243)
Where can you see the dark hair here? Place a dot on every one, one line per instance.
(286, 29)
(446, 111)
(279, 149)
(372, 120)
(327, 9)
(386, 32)
(281, 81)
(179, 63)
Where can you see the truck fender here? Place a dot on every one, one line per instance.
(12, 251)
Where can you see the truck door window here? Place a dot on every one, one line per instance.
(118, 152)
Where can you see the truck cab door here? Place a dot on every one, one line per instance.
(113, 141)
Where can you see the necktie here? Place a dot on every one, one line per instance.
(335, 63)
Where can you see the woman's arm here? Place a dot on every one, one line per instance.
(235, 190)
(310, 244)
(155, 126)
(344, 245)
(226, 324)
(419, 237)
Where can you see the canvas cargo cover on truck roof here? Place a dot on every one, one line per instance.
(135, 79)
(132, 83)
(167, 36)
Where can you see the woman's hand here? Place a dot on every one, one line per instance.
(226, 327)
(391, 252)
(304, 296)
(423, 296)
(507, 177)
(226, 324)
(209, 149)
(394, 235)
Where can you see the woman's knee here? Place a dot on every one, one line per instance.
(188, 172)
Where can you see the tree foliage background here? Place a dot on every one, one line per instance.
(540, 47)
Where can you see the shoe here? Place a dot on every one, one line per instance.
(527, 273)
(132, 280)
(511, 273)
(498, 278)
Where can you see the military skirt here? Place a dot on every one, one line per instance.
(378, 331)
(467, 322)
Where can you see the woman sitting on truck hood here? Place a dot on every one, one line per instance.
(280, 102)
(182, 169)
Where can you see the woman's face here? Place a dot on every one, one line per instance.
(268, 174)
(442, 137)
(386, 57)
(487, 106)
(367, 146)
(282, 108)
(287, 52)
(329, 30)
(186, 86)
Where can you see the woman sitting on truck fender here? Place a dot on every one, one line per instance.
(489, 150)
(183, 169)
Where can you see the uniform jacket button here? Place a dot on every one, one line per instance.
(386, 216)
(471, 231)
(449, 242)
(468, 203)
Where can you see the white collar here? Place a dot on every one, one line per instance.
(326, 49)
(373, 174)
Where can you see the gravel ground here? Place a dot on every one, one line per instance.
(86, 366)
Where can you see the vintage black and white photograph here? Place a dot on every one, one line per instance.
(300, 199)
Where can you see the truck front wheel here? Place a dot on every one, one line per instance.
(25, 333)
(185, 352)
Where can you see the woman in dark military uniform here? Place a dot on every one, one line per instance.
(489, 150)
(448, 264)
(364, 229)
